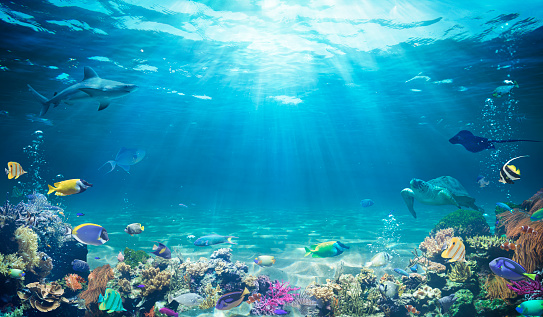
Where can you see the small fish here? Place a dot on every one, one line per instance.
(16, 273)
(69, 187)
(34, 118)
(111, 301)
(254, 298)
(168, 312)
(412, 309)
(162, 251)
(97, 258)
(187, 299)
(482, 181)
(231, 300)
(456, 251)
(80, 214)
(281, 312)
(414, 268)
(126, 158)
(366, 203)
(538, 215)
(120, 257)
(90, 233)
(504, 206)
(380, 259)
(509, 269)
(80, 266)
(497, 222)
(141, 286)
(509, 173)
(134, 228)
(527, 229)
(14, 170)
(326, 249)
(4, 113)
(402, 272)
(61, 213)
(532, 307)
(183, 205)
(213, 239)
(504, 89)
(265, 260)
(508, 246)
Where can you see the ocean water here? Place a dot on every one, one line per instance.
(271, 120)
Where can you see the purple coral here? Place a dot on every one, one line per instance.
(277, 295)
(528, 287)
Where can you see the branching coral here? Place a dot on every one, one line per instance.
(98, 279)
(154, 279)
(485, 243)
(460, 272)
(496, 287)
(432, 245)
(529, 287)
(366, 277)
(278, 295)
(124, 285)
(195, 268)
(124, 269)
(212, 296)
(28, 246)
(353, 301)
(325, 292)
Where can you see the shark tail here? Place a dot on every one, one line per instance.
(112, 163)
(44, 101)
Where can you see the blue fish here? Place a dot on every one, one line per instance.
(281, 312)
(414, 268)
(125, 158)
(80, 266)
(80, 214)
(213, 239)
(162, 251)
(504, 206)
(366, 203)
(401, 272)
(509, 269)
(96, 258)
(141, 286)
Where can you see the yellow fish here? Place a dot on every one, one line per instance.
(69, 187)
(15, 170)
(456, 251)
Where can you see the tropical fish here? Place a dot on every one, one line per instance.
(265, 260)
(120, 257)
(4, 113)
(231, 300)
(446, 302)
(527, 229)
(475, 143)
(89, 233)
(14, 170)
(134, 228)
(254, 298)
(16, 273)
(504, 206)
(69, 187)
(414, 268)
(92, 87)
(505, 89)
(380, 259)
(97, 258)
(162, 251)
(538, 215)
(456, 251)
(125, 158)
(16, 192)
(509, 173)
(482, 181)
(168, 312)
(531, 308)
(509, 269)
(111, 301)
(402, 272)
(187, 299)
(141, 286)
(508, 246)
(412, 309)
(281, 312)
(325, 249)
(80, 214)
(213, 239)
(366, 203)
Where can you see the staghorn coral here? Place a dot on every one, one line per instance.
(432, 245)
(211, 296)
(460, 272)
(485, 243)
(73, 281)
(43, 297)
(98, 279)
(496, 287)
(154, 280)
(28, 247)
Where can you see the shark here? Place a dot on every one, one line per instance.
(92, 87)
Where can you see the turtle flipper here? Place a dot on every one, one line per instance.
(409, 198)
(446, 196)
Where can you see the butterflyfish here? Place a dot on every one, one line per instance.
(509, 173)
(456, 251)
(14, 170)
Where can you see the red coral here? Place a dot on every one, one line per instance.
(73, 281)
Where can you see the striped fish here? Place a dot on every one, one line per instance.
(111, 301)
(456, 251)
(14, 170)
(509, 173)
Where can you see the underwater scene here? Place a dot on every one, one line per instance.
(270, 157)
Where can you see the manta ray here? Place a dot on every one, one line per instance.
(476, 144)
(92, 87)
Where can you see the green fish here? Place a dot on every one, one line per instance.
(326, 249)
(538, 215)
(16, 273)
(531, 308)
(111, 301)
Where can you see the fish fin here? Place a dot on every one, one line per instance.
(170, 298)
(516, 84)
(314, 255)
(273, 261)
(40, 98)
(10, 176)
(307, 252)
(142, 228)
(51, 189)
(100, 298)
(112, 163)
(531, 276)
(125, 167)
(230, 240)
(103, 105)
(89, 73)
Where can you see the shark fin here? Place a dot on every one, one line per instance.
(41, 98)
(89, 73)
(103, 104)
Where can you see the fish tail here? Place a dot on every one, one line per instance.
(531, 276)
(230, 240)
(40, 98)
(307, 252)
(142, 228)
(170, 298)
(51, 189)
(516, 84)
(112, 163)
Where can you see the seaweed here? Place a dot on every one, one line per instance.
(466, 223)
(134, 258)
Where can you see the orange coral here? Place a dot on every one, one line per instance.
(73, 281)
(151, 313)
(98, 279)
(496, 287)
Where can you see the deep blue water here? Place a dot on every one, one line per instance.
(272, 120)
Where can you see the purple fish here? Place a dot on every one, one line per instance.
(168, 312)
(141, 286)
(509, 269)
(80, 214)
(281, 312)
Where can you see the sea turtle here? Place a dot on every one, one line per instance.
(444, 190)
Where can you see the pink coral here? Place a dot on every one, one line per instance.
(276, 296)
(433, 245)
(528, 287)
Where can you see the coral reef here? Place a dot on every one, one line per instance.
(224, 254)
(366, 277)
(134, 258)
(466, 223)
(278, 295)
(534, 203)
(433, 244)
(305, 305)
(43, 297)
(212, 295)
(124, 269)
(352, 300)
(28, 246)
(426, 292)
(98, 279)
(154, 280)
(73, 281)
(460, 272)
(198, 268)
(124, 285)
(528, 287)
(496, 287)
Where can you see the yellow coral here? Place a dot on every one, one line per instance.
(324, 292)
(460, 272)
(154, 280)
(124, 269)
(212, 296)
(249, 280)
(28, 246)
(124, 285)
